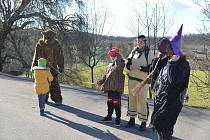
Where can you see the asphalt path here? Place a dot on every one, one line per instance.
(79, 116)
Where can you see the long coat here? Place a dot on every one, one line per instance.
(172, 81)
(114, 78)
(42, 78)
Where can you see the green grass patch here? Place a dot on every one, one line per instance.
(99, 72)
(199, 92)
(198, 96)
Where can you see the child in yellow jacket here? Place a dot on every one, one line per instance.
(43, 77)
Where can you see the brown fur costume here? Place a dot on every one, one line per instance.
(49, 48)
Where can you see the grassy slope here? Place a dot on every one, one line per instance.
(197, 97)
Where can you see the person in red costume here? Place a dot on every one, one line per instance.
(113, 84)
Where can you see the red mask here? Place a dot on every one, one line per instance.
(113, 52)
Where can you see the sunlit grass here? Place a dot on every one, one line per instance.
(198, 97)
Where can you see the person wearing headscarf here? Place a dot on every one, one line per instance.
(113, 84)
(138, 69)
(172, 83)
(49, 49)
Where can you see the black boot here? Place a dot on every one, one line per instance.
(131, 123)
(108, 118)
(117, 121)
(142, 127)
(165, 136)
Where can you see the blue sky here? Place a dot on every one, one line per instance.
(121, 11)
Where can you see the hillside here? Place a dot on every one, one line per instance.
(26, 40)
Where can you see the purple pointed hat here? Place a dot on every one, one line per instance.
(176, 42)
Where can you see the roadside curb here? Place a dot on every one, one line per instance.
(78, 88)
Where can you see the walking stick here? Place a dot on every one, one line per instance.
(137, 89)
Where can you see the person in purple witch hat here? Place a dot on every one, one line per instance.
(157, 64)
(171, 84)
(176, 42)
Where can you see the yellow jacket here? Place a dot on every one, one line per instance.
(42, 79)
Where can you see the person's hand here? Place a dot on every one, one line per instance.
(134, 67)
(98, 83)
(174, 58)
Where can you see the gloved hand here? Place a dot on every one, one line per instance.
(183, 96)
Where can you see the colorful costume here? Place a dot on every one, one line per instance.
(137, 105)
(42, 78)
(113, 84)
(52, 51)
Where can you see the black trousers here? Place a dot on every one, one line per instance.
(165, 118)
(114, 103)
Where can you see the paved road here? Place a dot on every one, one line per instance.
(79, 117)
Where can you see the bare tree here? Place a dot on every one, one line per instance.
(22, 13)
(20, 43)
(154, 18)
(162, 21)
(200, 59)
(91, 38)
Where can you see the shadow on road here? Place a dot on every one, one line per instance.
(92, 131)
(91, 92)
(96, 118)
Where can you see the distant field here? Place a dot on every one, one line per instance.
(197, 97)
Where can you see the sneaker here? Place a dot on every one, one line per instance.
(131, 123)
(142, 127)
(117, 122)
(107, 119)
